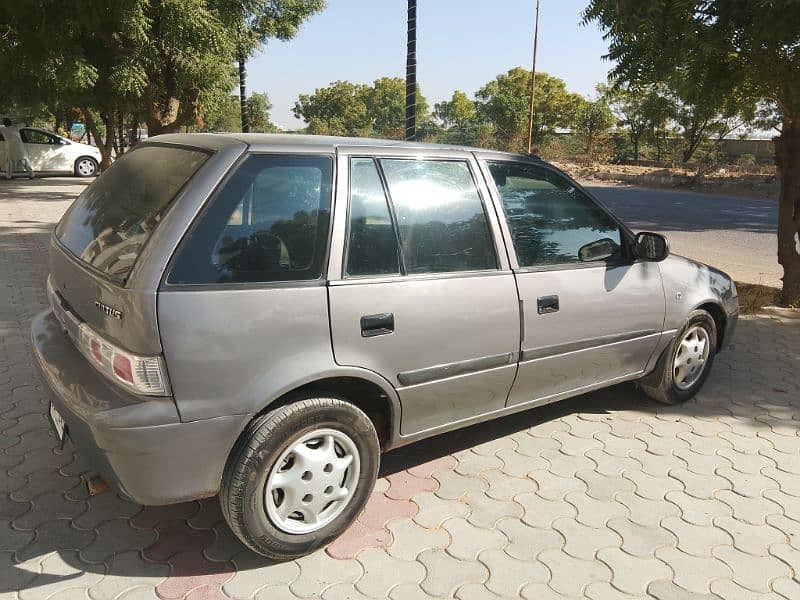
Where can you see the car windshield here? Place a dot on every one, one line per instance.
(109, 223)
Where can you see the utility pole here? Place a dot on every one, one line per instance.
(533, 80)
(411, 72)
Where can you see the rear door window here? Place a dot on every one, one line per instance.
(268, 223)
(109, 223)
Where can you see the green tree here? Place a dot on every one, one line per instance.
(254, 23)
(745, 51)
(627, 103)
(360, 110)
(159, 59)
(338, 109)
(226, 115)
(258, 107)
(458, 112)
(505, 103)
(593, 120)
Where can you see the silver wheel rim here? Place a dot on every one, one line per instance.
(691, 357)
(86, 167)
(312, 481)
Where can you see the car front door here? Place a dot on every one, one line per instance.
(421, 291)
(45, 151)
(592, 316)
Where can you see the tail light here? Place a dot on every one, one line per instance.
(141, 374)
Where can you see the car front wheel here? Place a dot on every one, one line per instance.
(684, 366)
(299, 475)
(86, 167)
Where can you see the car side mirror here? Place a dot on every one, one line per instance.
(650, 246)
(597, 250)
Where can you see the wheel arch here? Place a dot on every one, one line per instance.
(363, 388)
(717, 313)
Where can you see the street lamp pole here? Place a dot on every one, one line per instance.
(411, 72)
(533, 81)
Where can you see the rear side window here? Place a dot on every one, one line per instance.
(269, 222)
(109, 223)
(440, 216)
(439, 219)
(372, 244)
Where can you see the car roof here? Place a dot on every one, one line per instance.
(323, 143)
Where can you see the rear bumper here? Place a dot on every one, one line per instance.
(139, 445)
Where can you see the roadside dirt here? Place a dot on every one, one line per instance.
(730, 181)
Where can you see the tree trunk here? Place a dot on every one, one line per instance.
(120, 129)
(245, 108)
(134, 129)
(104, 147)
(787, 159)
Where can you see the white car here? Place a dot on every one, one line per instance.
(51, 154)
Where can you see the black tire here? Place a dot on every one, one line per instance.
(660, 384)
(87, 160)
(262, 443)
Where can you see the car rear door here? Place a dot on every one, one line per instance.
(588, 320)
(420, 288)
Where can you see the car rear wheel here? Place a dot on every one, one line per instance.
(683, 367)
(299, 475)
(86, 166)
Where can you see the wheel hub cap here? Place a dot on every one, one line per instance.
(85, 167)
(691, 357)
(312, 481)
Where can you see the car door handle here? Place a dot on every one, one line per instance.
(547, 304)
(372, 325)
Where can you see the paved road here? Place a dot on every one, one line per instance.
(737, 235)
(605, 496)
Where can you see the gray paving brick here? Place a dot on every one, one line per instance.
(584, 542)
(128, 572)
(467, 540)
(61, 572)
(444, 574)
(693, 573)
(507, 575)
(570, 575)
(632, 574)
(526, 543)
(752, 572)
(697, 540)
(377, 563)
(485, 511)
(319, 571)
(409, 539)
(506, 487)
(252, 574)
(638, 540)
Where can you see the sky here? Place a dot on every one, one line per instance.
(461, 45)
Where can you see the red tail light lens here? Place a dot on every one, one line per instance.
(122, 368)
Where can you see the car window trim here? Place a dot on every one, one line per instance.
(626, 235)
(167, 285)
(376, 157)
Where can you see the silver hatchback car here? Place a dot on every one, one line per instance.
(260, 316)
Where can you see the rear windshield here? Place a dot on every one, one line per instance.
(111, 221)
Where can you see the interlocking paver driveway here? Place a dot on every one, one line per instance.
(604, 496)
